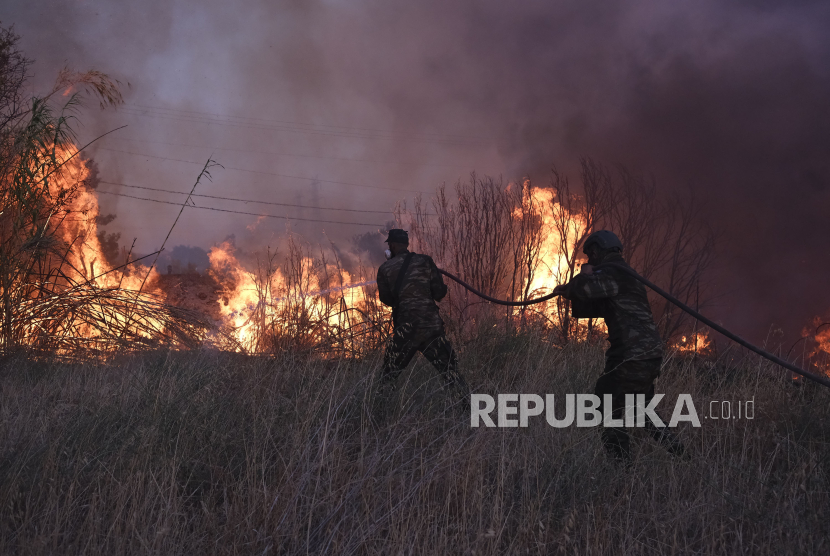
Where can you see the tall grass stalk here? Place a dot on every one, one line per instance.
(208, 453)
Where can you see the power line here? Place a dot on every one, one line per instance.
(204, 120)
(243, 200)
(286, 122)
(282, 125)
(198, 120)
(265, 173)
(290, 155)
(242, 212)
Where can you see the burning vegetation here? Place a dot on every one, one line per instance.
(64, 291)
(59, 295)
(64, 294)
(69, 289)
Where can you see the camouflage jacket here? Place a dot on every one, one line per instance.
(622, 301)
(422, 287)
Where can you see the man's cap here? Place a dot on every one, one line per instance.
(397, 236)
(605, 239)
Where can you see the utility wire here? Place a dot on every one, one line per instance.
(243, 200)
(266, 120)
(209, 121)
(241, 212)
(290, 155)
(266, 173)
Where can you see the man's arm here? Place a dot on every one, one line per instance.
(384, 291)
(585, 286)
(437, 287)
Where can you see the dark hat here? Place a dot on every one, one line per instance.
(605, 239)
(397, 236)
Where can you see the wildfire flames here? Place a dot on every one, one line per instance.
(80, 229)
(817, 335)
(556, 242)
(823, 339)
(294, 304)
(693, 343)
(59, 294)
(303, 302)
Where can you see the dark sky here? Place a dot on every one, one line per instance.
(378, 99)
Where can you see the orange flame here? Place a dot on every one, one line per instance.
(67, 298)
(819, 333)
(252, 302)
(698, 342)
(560, 231)
(554, 267)
(80, 228)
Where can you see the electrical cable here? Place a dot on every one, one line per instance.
(272, 127)
(266, 173)
(242, 200)
(286, 122)
(241, 212)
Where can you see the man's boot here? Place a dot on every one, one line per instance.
(617, 444)
(668, 440)
(458, 393)
(382, 403)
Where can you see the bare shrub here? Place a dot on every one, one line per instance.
(489, 236)
(503, 239)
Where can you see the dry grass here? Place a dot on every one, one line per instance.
(208, 452)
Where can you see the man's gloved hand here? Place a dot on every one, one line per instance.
(564, 289)
(561, 289)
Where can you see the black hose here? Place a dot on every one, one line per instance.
(735, 338)
(493, 299)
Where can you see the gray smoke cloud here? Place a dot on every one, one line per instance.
(727, 98)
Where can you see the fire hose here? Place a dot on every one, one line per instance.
(734, 337)
(493, 299)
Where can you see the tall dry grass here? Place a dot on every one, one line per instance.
(54, 300)
(215, 453)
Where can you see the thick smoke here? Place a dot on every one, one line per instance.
(727, 98)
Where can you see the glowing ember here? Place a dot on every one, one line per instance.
(693, 343)
(818, 336)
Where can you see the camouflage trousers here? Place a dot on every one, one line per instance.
(437, 349)
(631, 377)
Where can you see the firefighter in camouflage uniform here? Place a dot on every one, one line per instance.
(411, 284)
(634, 357)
